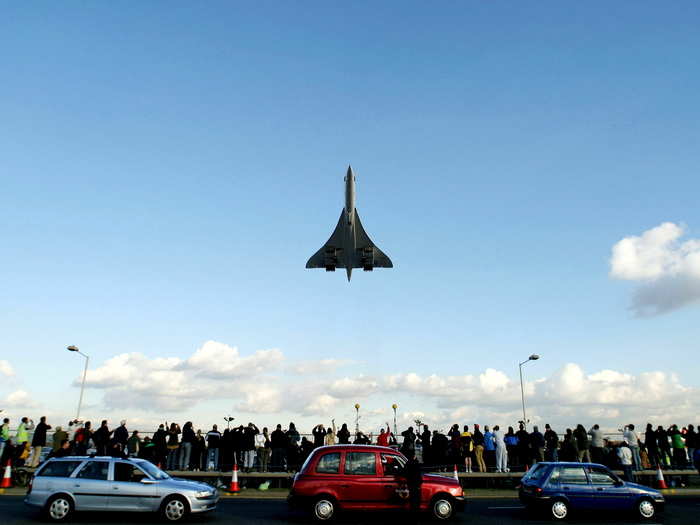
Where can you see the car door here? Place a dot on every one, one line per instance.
(91, 486)
(128, 492)
(574, 483)
(393, 484)
(364, 484)
(608, 491)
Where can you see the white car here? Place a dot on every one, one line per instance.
(62, 486)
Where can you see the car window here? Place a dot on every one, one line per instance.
(329, 463)
(127, 472)
(601, 477)
(572, 476)
(58, 469)
(392, 464)
(361, 463)
(94, 470)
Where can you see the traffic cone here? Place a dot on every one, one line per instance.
(234, 488)
(7, 476)
(660, 483)
(456, 475)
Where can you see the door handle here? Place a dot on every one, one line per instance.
(115, 488)
(566, 488)
(600, 489)
(77, 485)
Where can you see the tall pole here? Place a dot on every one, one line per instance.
(357, 419)
(82, 385)
(73, 348)
(522, 394)
(533, 357)
(395, 406)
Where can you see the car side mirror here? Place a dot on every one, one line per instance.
(619, 483)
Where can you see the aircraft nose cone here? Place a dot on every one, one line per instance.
(349, 173)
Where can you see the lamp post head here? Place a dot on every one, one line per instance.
(357, 406)
(533, 357)
(394, 406)
(72, 348)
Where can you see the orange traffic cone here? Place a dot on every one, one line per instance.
(660, 483)
(7, 476)
(234, 488)
(456, 475)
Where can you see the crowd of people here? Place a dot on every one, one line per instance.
(472, 449)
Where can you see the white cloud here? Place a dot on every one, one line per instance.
(134, 382)
(219, 360)
(19, 399)
(6, 369)
(668, 269)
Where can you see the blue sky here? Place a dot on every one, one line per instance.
(167, 169)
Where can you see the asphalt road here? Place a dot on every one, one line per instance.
(501, 511)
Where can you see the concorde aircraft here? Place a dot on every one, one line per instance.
(349, 246)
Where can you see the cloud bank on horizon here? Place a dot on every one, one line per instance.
(258, 387)
(667, 269)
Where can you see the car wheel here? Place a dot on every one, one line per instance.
(174, 508)
(323, 509)
(59, 508)
(442, 508)
(646, 509)
(560, 510)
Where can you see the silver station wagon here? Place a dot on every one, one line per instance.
(62, 486)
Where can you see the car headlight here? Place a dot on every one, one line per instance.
(203, 494)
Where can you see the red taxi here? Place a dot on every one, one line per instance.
(367, 477)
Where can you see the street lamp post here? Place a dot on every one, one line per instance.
(533, 357)
(73, 348)
(357, 419)
(395, 406)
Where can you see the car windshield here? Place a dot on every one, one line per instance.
(152, 471)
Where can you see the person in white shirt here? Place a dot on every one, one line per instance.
(631, 437)
(501, 450)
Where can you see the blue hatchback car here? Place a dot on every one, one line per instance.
(562, 487)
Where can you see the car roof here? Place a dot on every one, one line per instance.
(569, 464)
(87, 458)
(363, 448)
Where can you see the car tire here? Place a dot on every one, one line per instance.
(442, 508)
(559, 510)
(59, 508)
(324, 509)
(646, 510)
(174, 509)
